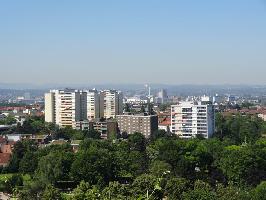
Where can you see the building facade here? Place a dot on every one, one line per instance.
(93, 104)
(108, 129)
(111, 103)
(49, 107)
(145, 124)
(189, 119)
(65, 107)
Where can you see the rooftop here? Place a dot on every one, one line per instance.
(4, 158)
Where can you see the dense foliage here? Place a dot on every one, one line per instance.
(9, 120)
(229, 166)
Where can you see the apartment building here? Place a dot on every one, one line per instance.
(65, 107)
(145, 124)
(93, 104)
(111, 103)
(107, 128)
(49, 107)
(189, 119)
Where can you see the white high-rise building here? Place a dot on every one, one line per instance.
(93, 104)
(189, 119)
(65, 107)
(111, 103)
(49, 107)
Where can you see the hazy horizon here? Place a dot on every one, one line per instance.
(126, 42)
(129, 86)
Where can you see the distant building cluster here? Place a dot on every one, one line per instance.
(67, 107)
(160, 98)
(144, 110)
(105, 111)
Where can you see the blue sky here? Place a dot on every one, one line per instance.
(140, 41)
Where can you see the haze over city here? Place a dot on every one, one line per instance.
(120, 42)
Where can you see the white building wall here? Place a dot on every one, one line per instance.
(189, 119)
(49, 99)
(69, 106)
(93, 104)
(111, 103)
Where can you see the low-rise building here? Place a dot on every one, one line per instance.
(18, 137)
(40, 139)
(165, 125)
(58, 142)
(107, 128)
(262, 115)
(82, 125)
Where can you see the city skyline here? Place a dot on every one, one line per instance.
(119, 42)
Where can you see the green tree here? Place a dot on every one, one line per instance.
(260, 191)
(146, 185)
(32, 191)
(11, 183)
(137, 142)
(37, 126)
(201, 191)
(157, 168)
(92, 134)
(86, 192)
(137, 162)
(51, 193)
(9, 120)
(54, 167)
(158, 134)
(221, 129)
(19, 150)
(175, 187)
(239, 128)
(80, 192)
(94, 165)
(116, 191)
(77, 135)
(244, 164)
(28, 163)
(232, 192)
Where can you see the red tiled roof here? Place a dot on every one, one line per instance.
(7, 148)
(166, 122)
(4, 158)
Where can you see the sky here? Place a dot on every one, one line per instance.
(133, 41)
